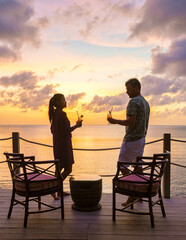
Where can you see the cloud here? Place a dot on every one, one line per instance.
(152, 85)
(51, 73)
(96, 21)
(179, 111)
(73, 99)
(160, 19)
(25, 80)
(17, 28)
(172, 62)
(102, 104)
(183, 111)
(116, 75)
(162, 91)
(23, 90)
(76, 67)
(163, 22)
(7, 54)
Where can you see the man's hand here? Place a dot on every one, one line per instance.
(130, 121)
(112, 120)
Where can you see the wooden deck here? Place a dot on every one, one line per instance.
(93, 225)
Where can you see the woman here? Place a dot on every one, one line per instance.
(61, 130)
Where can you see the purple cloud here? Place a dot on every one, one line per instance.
(160, 19)
(172, 62)
(24, 91)
(102, 104)
(7, 54)
(72, 99)
(95, 20)
(25, 80)
(163, 91)
(17, 28)
(152, 85)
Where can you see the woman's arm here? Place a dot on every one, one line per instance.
(65, 124)
(78, 124)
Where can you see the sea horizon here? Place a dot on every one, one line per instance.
(88, 124)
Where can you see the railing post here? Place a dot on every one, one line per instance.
(15, 145)
(167, 172)
(15, 142)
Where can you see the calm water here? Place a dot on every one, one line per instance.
(102, 162)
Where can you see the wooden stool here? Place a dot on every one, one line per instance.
(86, 192)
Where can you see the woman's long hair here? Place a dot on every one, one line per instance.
(53, 103)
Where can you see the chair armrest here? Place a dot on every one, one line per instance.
(134, 163)
(30, 157)
(33, 163)
(42, 162)
(143, 157)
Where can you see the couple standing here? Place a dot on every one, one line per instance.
(136, 122)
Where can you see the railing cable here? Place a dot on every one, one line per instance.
(45, 145)
(2, 162)
(3, 139)
(176, 140)
(159, 140)
(178, 165)
(84, 149)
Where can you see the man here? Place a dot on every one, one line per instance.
(136, 122)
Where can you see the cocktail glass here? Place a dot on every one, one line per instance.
(80, 117)
(109, 114)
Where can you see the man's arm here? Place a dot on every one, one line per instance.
(130, 121)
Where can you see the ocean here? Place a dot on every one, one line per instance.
(96, 162)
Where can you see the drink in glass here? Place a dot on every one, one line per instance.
(109, 114)
(80, 117)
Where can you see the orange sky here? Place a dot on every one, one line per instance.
(76, 48)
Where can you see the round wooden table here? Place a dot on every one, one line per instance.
(86, 192)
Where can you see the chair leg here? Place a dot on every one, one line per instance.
(11, 204)
(161, 203)
(151, 212)
(39, 202)
(26, 212)
(62, 203)
(114, 205)
(132, 205)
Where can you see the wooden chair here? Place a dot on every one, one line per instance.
(31, 180)
(141, 183)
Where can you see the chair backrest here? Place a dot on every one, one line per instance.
(27, 172)
(153, 167)
(16, 165)
(158, 165)
(145, 176)
(149, 169)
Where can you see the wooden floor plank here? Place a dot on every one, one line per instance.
(97, 225)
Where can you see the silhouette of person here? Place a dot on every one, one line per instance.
(61, 130)
(136, 122)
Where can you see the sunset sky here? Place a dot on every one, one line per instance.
(87, 50)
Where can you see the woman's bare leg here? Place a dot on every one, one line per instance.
(64, 175)
(66, 172)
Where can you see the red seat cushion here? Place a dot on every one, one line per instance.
(136, 183)
(37, 182)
